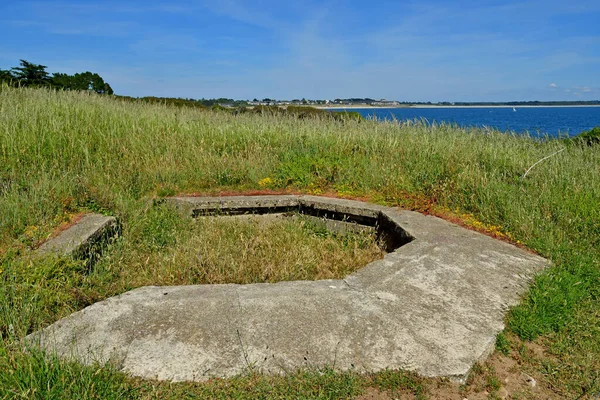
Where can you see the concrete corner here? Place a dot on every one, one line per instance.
(84, 238)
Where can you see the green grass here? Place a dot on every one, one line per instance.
(166, 249)
(61, 153)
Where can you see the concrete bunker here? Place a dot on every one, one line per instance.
(433, 305)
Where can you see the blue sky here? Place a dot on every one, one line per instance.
(428, 50)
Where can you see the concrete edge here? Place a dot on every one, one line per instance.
(250, 203)
(342, 206)
(84, 239)
(194, 206)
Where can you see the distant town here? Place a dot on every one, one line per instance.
(336, 102)
(368, 102)
(342, 103)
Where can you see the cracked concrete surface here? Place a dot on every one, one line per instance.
(433, 305)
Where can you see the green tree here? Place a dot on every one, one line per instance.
(62, 81)
(82, 81)
(29, 74)
(6, 76)
(92, 81)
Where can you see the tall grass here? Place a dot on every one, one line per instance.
(64, 152)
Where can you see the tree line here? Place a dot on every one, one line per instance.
(35, 75)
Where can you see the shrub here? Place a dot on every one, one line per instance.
(591, 137)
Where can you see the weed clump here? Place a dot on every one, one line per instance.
(590, 138)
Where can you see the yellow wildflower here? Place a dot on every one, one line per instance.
(30, 231)
(265, 182)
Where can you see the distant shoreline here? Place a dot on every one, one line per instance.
(436, 106)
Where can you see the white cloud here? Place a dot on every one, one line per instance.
(586, 89)
(552, 85)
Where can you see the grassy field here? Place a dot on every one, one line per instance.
(64, 153)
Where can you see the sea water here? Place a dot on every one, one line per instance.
(536, 121)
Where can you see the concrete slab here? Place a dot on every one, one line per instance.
(433, 305)
(83, 238)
